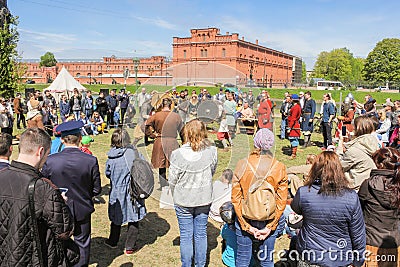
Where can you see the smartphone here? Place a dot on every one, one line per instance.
(344, 130)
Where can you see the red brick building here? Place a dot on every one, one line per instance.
(210, 57)
(206, 57)
(109, 71)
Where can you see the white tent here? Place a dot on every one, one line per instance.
(64, 83)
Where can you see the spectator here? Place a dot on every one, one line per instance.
(308, 112)
(101, 105)
(294, 125)
(264, 112)
(123, 100)
(326, 226)
(356, 156)
(49, 99)
(250, 99)
(230, 110)
(260, 163)
(98, 123)
(75, 103)
(223, 134)
(79, 172)
(328, 113)
(34, 117)
(222, 190)
(380, 201)
(40, 243)
(193, 106)
(384, 127)
(18, 109)
(87, 104)
(284, 110)
(192, 168)
(4, 114)
(121, 208)
(85, 144)
(64, 108)
(141, 98)
(112, 104)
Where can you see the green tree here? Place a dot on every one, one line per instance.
(48, 60)
(383, 62)
(338, 65)
(9, 76)
(303, 72)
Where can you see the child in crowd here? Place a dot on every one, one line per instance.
(98, 123)
(222, 190)
(85, 144)
(223, 134)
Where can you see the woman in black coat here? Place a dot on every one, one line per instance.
(380, 200)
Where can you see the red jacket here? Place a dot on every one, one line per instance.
(264, 115)
(293, 120)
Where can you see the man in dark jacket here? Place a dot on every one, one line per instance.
(101, 105)
(112, 103)
(54, 223)
(87, 104)
(79, 173)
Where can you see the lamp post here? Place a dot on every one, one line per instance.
(166, 78)
(101, 76)
(136, 62)
(90, 74)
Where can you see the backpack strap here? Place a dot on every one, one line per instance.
(253, 170)
(35, 229)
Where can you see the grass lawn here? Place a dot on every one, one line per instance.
(159, 233)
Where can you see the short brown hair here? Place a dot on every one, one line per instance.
(72, 139)
(32, 139)
(5, 143)
(195, 133)
(328, 172)
(363, 125)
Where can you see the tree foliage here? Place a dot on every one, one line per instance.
(9, 74)
(48, 60)
(383, 62)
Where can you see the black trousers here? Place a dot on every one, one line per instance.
(131, 235)
(123, 111)
(110, 117)
(327, 133)
(82, 239)
(20, 118)
(162, 177)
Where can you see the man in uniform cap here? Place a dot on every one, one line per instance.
(79, 173)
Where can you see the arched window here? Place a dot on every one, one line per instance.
(202, 53)
(78, 75)
(204, 37)
(205, 52)
(35, 74)
(223, 52)
(184, 53)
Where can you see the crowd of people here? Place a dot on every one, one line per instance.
(339, 209)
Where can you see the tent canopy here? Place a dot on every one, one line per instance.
(64, 82)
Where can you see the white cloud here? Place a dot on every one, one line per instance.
(157, 22)
(54, 37)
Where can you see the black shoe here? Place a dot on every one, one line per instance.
(108, 244)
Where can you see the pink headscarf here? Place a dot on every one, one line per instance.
(264, 139)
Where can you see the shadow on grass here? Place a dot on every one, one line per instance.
(212, 240)
(150, 228)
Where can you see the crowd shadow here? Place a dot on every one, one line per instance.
(150, 228)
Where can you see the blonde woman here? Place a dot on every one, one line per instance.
(192, 168)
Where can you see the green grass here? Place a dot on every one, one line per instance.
(275, 93)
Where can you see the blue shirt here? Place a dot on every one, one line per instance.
(328, 110)
(228, 255)
(56, 146)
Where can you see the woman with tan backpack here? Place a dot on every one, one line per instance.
(259, 194)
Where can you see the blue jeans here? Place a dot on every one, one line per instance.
(283, 128)
(265, 247)
(193, 222)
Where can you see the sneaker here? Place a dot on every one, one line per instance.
(108, 244)
(132, 251)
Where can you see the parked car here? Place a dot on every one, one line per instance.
(30, 81)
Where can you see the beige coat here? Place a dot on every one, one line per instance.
(356, 160)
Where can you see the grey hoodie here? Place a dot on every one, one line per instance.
(356, 161)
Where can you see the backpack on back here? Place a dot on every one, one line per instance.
(142, 178)
(260, 204)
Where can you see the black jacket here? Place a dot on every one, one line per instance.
(54, 220)
(382, 218)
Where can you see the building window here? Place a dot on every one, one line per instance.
(223, 52)
(78, 75)
(205, 52)
(204, 37)
(184, 53)
(35, 74)
(202, 53)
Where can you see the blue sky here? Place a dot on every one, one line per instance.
(91, 29)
